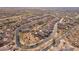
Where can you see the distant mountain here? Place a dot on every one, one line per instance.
(44, 8)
